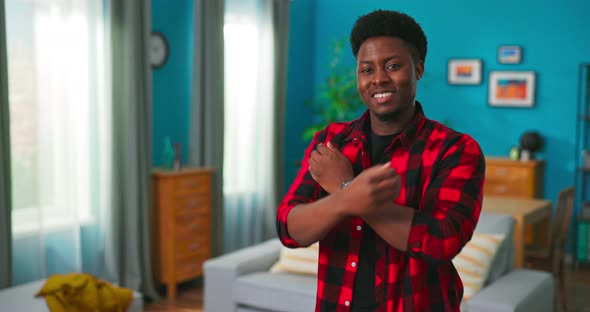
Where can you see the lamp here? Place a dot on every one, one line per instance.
(530, 142)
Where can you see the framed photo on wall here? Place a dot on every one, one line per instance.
(509, 54)
(511, 88)
(464, 71)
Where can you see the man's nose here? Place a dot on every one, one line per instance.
(381, 77)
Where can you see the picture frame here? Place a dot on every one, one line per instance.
(511, 88)
(464, 71)
(509, 54)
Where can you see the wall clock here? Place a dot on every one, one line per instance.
(159, 49)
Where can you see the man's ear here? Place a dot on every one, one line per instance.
(419, 67)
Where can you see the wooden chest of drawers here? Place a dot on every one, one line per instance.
(182, 225)
(514, 178)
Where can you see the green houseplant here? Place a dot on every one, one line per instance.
(337, 98)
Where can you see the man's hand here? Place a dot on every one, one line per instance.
(372, 190)
(329, 167)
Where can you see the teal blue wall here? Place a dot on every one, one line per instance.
(555, 38)
(300, 71)
(172, 82)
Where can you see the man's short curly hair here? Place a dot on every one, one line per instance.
(392, 24)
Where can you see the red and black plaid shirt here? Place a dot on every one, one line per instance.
(442, 178)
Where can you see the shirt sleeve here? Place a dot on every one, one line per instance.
(304, 189)
(451, 205)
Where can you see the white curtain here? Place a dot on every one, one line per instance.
(249, 133)
(60, 135)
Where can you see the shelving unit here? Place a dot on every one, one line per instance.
(582, 176)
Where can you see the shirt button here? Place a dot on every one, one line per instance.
(353, 264)
(347, 303)
(358, 227)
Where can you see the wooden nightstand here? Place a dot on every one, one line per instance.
(182, 224)
(513, 178)
(516, 178)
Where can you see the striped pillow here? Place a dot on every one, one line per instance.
(474, 260)
(298, 260)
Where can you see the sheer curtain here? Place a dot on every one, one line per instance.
(60, 131)
(249, 177)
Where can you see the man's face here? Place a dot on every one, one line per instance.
(387, 77)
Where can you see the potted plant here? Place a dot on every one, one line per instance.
(337, 98)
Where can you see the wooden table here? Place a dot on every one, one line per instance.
(528, 213)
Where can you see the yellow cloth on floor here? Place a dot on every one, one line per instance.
(78, 292)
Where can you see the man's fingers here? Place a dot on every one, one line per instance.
(381, 172)
(387, 184)
(332, 147)
(322, 149)
(313, 162)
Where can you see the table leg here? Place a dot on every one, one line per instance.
(519, 238)
(171, 289)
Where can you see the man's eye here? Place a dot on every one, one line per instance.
(393, 66)
(365, 70)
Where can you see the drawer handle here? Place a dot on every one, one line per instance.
(501, 189)
(195, 203)
(502, 171)
(194, 226)
(194, 246)
(191, 267)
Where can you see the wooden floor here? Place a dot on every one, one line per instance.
(190, 298)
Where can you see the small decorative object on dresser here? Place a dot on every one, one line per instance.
(181, 221)
(530, 142)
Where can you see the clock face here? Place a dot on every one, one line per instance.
(158, 49)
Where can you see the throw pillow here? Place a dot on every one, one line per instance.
(474, 260)
(298, 260)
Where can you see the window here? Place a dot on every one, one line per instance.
(58, 117)
(248, 164)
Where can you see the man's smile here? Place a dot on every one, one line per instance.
(382, 96)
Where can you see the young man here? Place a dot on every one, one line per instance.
(392, 197)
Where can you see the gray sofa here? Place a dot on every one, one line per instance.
(241, 281)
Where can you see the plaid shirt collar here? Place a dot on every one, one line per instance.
(360, 130)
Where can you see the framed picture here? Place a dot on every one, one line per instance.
(512, 88)
(464, 71)
(509, 54)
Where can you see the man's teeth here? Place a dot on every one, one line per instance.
(382, 95)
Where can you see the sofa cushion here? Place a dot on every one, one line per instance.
(490, 223)
(276, 291)
(520, 290)
(474, 260)
(298, 260)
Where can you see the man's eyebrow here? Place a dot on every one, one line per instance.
(386, 60)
